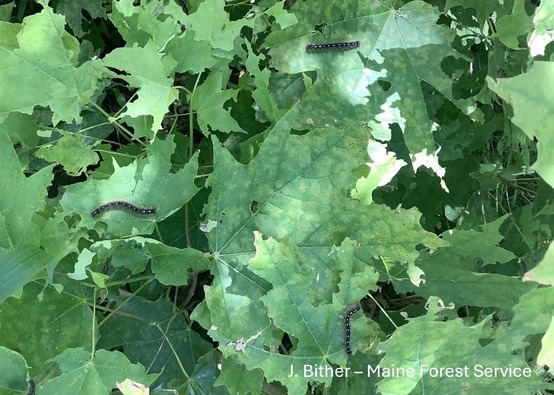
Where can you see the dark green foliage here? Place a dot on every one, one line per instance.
(265, 185)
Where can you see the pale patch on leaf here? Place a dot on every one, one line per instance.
(355, 84)
(207, 225)
(416, 274)
(384, 167)
(388, 116)
(84, 260)
(452, 213)
(543, 33)
(130, 387)
(538, 42)
(430, 161)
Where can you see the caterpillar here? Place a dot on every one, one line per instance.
(333, 46)
(120, 205)
(31, 387)
(183, 6)
(347, 329)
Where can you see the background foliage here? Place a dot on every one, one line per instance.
(413, 174)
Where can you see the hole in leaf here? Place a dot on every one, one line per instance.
(384, 84)
(254, 207)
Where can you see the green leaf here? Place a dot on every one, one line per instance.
(59, 321)
(46, 55)
(533, 314)
(516, 24)
(57, 239)
(73, 11)
(192, 55)
(201, 381)
(150, 75)
(13, 377)
(128, 253)
(20, 128)
(531, 99)
(282, 17)
(6, 11)
(483, 9)
(208, 102)
(452, 345)
(452, 273)
(546, 356)
(404, 47)
(19, 267)
(97, 375)
(153, 21)
(295, 190)
(146, 182)
(71, 153)
(172, 265)
(261, 75)
(483, 245)
(21, 198)
(317, 330)
(251, 381)
(210, 39)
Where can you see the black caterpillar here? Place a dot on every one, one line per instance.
(333, 46)
(120, 205)
(347, 328)
(31, 387)
(183, 6)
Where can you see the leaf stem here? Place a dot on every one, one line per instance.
(383, 310)
(123, 303)
(93, 348)
(173, 349)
